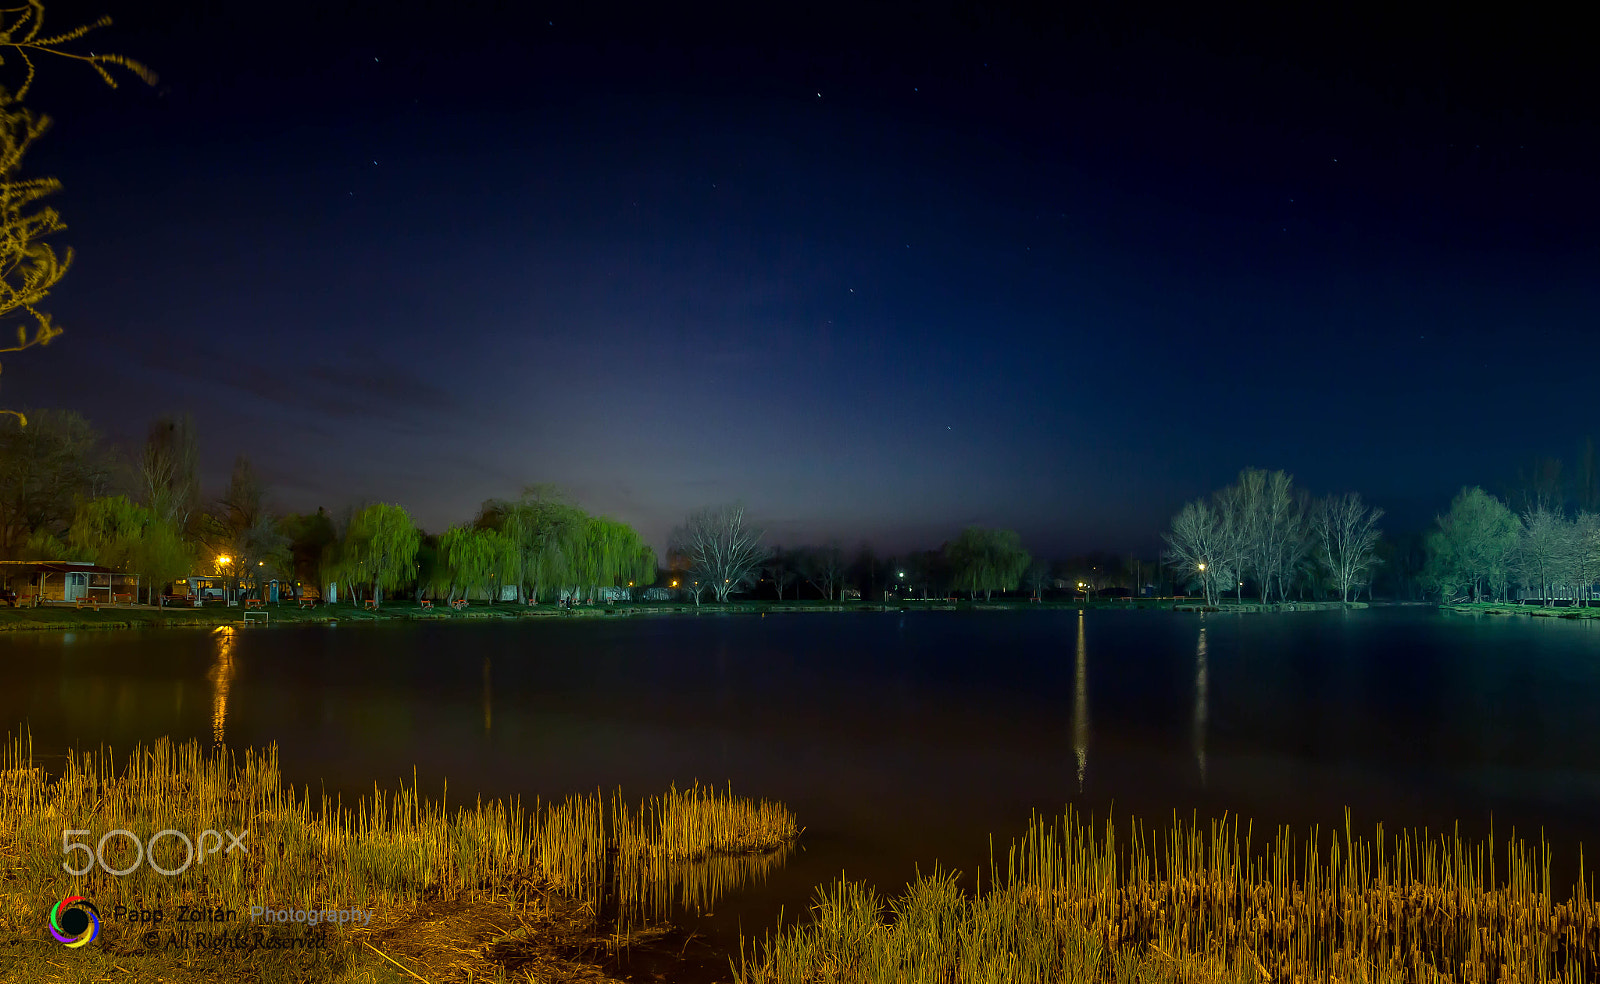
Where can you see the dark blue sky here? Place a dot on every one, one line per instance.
(880, 272)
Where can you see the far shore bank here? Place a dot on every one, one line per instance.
(70, 618)
(1514, 608)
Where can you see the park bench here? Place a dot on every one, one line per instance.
(308, 602)
(372, 604)
(87, 603)
(427, 603)
(459, 604)
(253, 603)
(122, 599)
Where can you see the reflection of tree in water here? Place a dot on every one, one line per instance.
(1080, 706)
(1201, 699)
(221, 675)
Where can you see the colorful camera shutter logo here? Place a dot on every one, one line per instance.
(75, 921)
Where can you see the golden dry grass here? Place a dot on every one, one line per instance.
(1076, 902)
(467, 882)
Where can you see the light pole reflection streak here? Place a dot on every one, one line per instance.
(221, 676)
(1080, 706)
(1201, 698)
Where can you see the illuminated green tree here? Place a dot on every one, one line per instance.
(1471, 549)
(612, 554)
(475, 559)
(114, 532)
(553, 543)
(380, 548)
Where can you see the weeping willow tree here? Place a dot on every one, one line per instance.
(29, 266)
(612, 554)
(987, 560)
(378, 550)
(550, 543)
(544, 533)
(474, 560)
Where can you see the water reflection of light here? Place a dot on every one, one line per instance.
(221, 676)
(1080, 706)
(1201, 698)
(488, 698)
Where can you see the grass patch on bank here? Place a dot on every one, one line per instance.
(1508, 608)
(1076, 902)
(481, 891)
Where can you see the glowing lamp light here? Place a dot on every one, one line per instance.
(222, 559)
(1202, 567)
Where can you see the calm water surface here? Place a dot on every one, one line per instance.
(901, 740)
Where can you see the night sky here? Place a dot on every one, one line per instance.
(880, 272)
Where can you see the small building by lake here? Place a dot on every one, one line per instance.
(67, 582)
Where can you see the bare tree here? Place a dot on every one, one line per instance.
(169, 471)
(780, 569)
(1540, 548)
(721, 548)
(824, 568)
(1347, 534)
(1202, 546)
(1272, 522)
(1038, 578)
(1583, 554)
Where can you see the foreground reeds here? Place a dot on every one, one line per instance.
(597, 859)
(1073, 902)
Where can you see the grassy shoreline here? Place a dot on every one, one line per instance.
(1536, 611)
(1077, 901)
(495, 891)
(61, 617)
(483, 891)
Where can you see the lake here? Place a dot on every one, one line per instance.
(900, 739)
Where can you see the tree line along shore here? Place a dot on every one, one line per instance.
(66, 495)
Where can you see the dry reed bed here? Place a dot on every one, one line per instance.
(389, 852)
(1075, 902)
